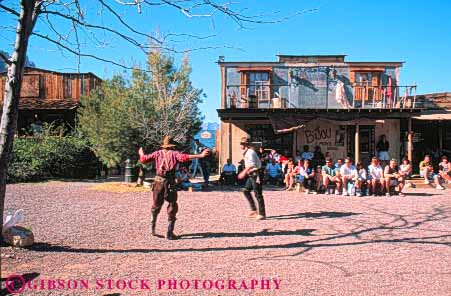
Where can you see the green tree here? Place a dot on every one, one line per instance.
(124, 114)
(174, 100)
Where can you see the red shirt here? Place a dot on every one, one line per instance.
(172, 158)
(282, 159)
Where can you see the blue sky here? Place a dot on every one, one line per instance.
(416, 32)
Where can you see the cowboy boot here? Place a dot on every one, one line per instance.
(170, 234)
(153, 224)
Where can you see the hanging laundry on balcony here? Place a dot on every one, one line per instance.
(389, 92)
(340, 95)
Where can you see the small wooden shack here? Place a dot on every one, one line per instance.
(50, 96)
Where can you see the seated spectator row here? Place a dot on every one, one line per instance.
(342, 177)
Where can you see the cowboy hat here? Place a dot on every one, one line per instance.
(167, 142)
(245, 140)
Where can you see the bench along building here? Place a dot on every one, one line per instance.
(50, 96)
(343, 107)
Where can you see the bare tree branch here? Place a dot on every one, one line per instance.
(10, 10)
(45, 37)
(121, 20)
(5, 58)
(100, 27)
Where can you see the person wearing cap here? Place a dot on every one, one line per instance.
(165, 188)
(254, 180)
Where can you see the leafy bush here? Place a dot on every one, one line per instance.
(36, 159)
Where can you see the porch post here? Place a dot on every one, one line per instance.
(230, 139)
(409, 139)
(295, 141)
(440, 138)
(357, 143)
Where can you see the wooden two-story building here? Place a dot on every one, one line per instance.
(50, 96)
(343, 107)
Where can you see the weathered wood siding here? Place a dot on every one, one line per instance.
(47, 85)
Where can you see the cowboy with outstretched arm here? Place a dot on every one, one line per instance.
(164, 187)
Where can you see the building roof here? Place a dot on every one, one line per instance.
(397, 64)
(317, 59)
(36, 104)
(58, 72)
(312, 58)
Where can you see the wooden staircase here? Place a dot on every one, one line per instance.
(418, 182)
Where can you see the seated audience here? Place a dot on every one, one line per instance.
(299, 170)
(339, 163)
(290, 176)
(329, 174)
(273, 155)
(375, 176)
(360, 183)
(274, 172)
(306, 154)
(348, 175)
(283, 160)
(309, 177)
(405, 170)
(444, 169)
(228, 174)
(319, 179)
(183, 180)
(297, 156)
(427, 172)
(393, 178)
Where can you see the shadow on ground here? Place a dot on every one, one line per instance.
(265, 232)
(312, 215)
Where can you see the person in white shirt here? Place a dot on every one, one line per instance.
(307, 154)
(252, 170)
(348, 174)
(228, 174)
(375, 176)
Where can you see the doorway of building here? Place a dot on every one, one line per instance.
(367, 143)
(264, 135)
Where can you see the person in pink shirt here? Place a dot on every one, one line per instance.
(165, 188)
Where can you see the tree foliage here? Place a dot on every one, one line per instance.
(126, 113)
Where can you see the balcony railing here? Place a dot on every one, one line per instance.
(358, 96)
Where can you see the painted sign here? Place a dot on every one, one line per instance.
(205, 135)
(329, 136)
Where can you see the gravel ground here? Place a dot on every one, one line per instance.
(313, 245)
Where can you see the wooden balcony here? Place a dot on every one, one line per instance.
(358, 96)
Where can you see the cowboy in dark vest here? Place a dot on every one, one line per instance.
(164, 187)
(254, 180)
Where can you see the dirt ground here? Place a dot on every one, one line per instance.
(91, 242)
